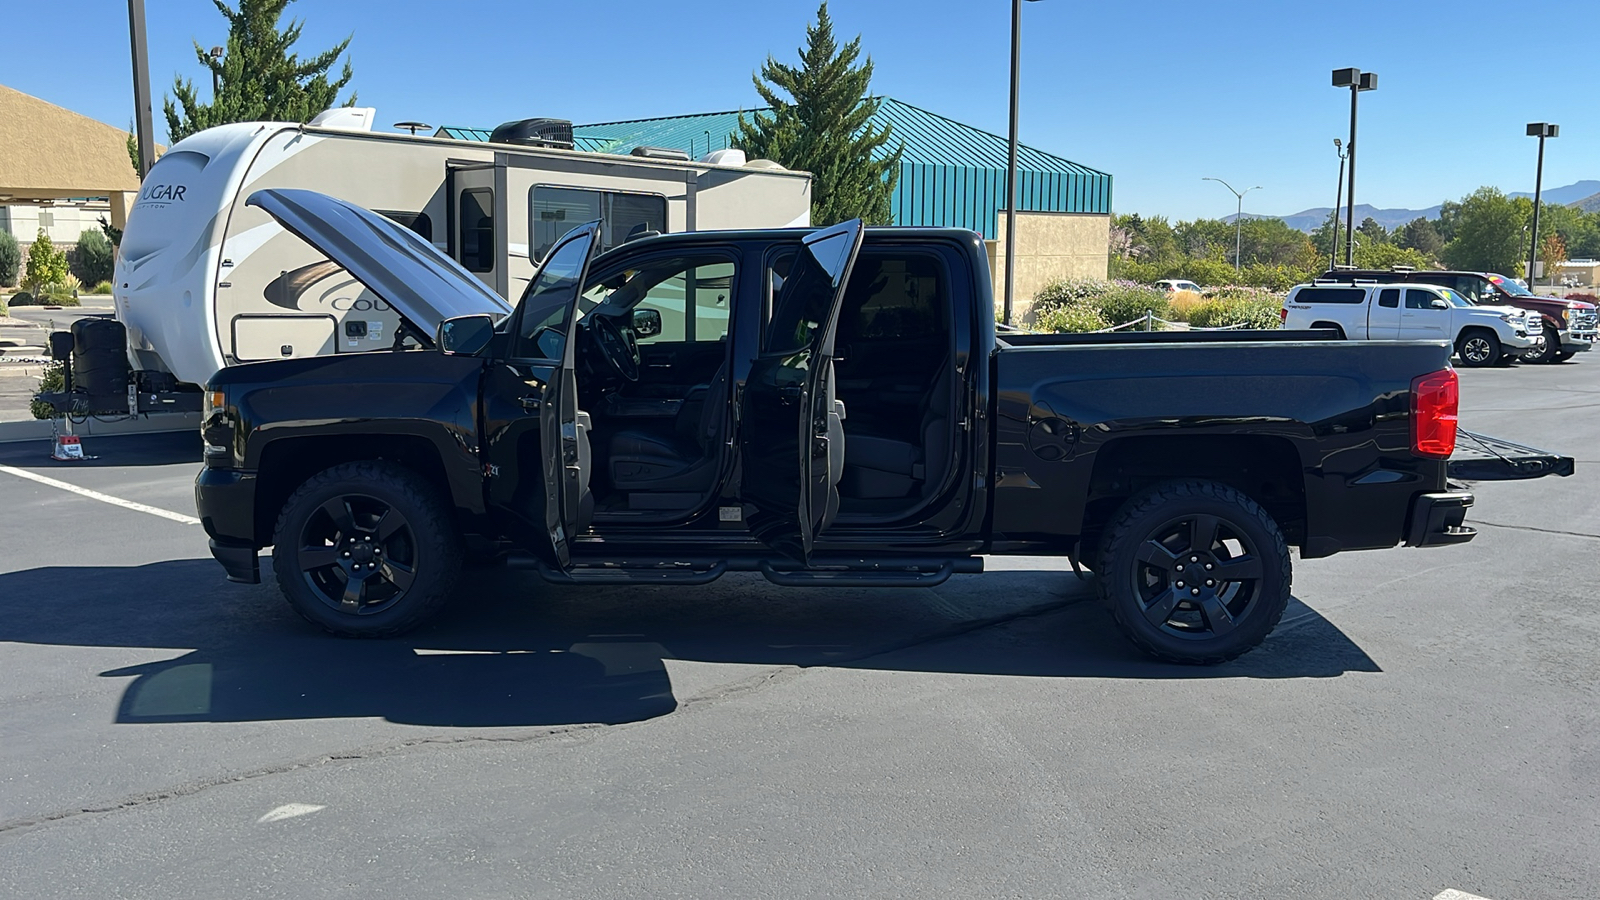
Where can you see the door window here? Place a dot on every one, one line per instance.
(476, 222)
(1389, 298)
(1416, 299)
(542, 328)
(692, 296)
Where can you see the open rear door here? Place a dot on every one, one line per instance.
(792, 443)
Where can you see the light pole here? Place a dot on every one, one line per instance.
(141, 87)
(1357, 81)
(1238, 217)
(216, 77)
(1540, 130)
(1338, 199)
(1011, 159)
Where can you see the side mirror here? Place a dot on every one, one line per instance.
(1439, 303)
(646, 322)
(465, 335)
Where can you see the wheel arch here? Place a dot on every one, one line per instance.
(1266, 468)
(289, 462)
(1331, 326)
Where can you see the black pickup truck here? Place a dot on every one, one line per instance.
(829, 407)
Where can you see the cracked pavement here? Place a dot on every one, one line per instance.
(1422, 720)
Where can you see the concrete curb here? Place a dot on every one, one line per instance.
(39, 429)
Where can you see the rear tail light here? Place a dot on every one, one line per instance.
(1435, 404)
(1283, 316)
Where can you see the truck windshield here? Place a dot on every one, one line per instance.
(1509, 286)
(1455, 298)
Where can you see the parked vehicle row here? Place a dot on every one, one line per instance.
(1481, 335)
(1569, 326)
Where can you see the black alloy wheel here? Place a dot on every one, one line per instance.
(1194, 572)
(1546, 352)
(365, 549)
(1479, 349)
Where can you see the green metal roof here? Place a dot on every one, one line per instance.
(950, 174)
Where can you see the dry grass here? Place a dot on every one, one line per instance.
(1183, 302)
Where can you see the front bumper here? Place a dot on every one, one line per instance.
(226, 501)
(1437, 520)
(1519, 341)
(1575, 341)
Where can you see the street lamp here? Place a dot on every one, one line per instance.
(1540, 130)
(1238, 217)
(1011, 159)
(1357, 81)
(216, 77)
(1338, 198)
(141, 87)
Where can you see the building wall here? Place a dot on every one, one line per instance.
(65, 220)
(1049, 246)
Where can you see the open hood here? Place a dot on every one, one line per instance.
(410, 274)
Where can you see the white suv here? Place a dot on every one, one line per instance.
(1482, 335)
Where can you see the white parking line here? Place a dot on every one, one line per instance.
(1453, 894)
(103, 498)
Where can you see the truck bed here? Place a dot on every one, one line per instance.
(1220, 336)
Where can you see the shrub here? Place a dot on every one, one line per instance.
(1069, 318)
(10, 259)
(53, 379)
(102, 287)
(4, 309)
(23, 298)
(1586, 298)
(46, 264)
(1116, 301)
(58, 295)
(96, 257)
(1235, 305)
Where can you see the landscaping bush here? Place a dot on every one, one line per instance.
(46, 264)
(1117, 302)
(10, 259)
(53, 379)
(4, 309)
(59, 294)
(103, 287)
(1069, 318)
(1586, 298)
(1231, 306)
(23, 298)
(95, 257)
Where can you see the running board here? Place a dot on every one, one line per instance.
(1479, 457)
(823, 571)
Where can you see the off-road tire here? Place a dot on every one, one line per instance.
(1142, 519)
(1476, 355)
(435, 548)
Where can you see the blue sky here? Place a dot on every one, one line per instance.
(1159, 94)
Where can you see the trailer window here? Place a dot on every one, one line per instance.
(416, 221)
(477, 230)
(554, 211)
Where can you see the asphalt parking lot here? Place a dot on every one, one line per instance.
(1424, 720)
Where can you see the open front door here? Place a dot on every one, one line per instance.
(792, 442)
(537, 440)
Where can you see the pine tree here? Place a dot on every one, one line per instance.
(825, 128)
(261, 79)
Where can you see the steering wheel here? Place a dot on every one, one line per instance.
(619, 352)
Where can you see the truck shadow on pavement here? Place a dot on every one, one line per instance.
(111, 451)
(512, 651)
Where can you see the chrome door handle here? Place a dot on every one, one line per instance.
(530, 404)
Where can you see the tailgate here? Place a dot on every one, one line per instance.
(1479, 457)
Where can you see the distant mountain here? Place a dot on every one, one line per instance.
(1309, 220)
(1584, 195)
(1568, 194)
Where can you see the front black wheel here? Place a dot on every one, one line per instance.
(366, 549)
(1479, 349)
(1194, 572)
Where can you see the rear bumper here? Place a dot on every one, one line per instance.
(1438, 520)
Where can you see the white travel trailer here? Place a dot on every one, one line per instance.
(204, 281)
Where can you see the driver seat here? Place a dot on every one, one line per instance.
(653, 468)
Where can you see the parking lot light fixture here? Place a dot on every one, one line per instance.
(1238, 218)
(1540, 130)
(1357, 81)
(1011, 159)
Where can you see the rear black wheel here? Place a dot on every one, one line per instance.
(1194, 572)
(366, 549)
(1478, 349)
